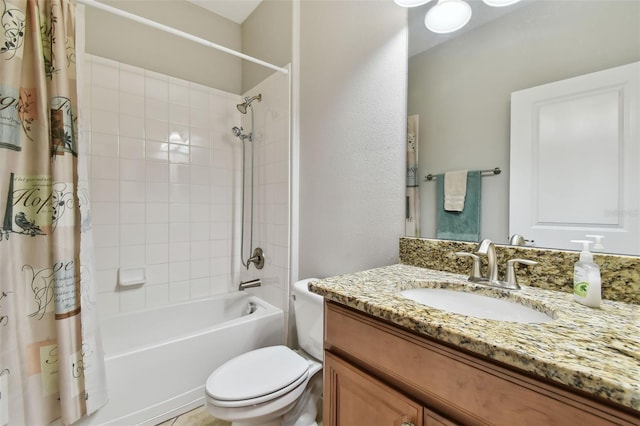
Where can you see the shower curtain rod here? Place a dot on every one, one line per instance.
(190, 37)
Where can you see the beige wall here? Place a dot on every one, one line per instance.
(461, 89)
(266, 35)
(353, 68)
(125, 41)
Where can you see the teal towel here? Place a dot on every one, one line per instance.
(464, 225)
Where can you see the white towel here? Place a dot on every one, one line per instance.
(455, 190)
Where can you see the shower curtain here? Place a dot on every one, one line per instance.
(51, 357)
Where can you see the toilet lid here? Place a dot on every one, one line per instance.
(257, 373)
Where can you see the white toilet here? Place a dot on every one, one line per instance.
(274, 386)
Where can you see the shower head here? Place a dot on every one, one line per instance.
(247, 103)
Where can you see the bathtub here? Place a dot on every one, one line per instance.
(158, 360)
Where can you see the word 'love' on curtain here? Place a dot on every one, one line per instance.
(51, 357)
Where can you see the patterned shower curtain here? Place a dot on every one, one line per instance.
(51, 357)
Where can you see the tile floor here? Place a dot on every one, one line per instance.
(199, 417)
(195, 417)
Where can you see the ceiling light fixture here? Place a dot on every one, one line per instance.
(411, 3)
(447, 16)
(500, 3)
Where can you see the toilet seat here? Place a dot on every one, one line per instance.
(257, 376)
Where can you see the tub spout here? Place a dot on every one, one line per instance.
(249, 284)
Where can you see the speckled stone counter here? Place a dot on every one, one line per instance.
(592, 350)
(554, 271)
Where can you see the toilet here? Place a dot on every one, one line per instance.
(275, 385)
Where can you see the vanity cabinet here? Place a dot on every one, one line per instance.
(376, 373)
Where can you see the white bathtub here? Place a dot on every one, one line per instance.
(157, 360)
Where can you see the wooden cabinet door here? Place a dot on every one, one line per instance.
(353, 398)
(434, 419)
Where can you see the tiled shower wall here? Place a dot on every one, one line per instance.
(165, 186)
(271, 198)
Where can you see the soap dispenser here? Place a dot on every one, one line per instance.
(587, 286)
(598, 246)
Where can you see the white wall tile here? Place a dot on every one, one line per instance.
(199, 250)
(104, 213)
(179, 212)
(199, 136)
(156, 88)
(132, 126)
(179, 271)
(179, 291)
(132, 235)
(131, 256)
(179, 114)
(132, 104)
(157, 171)
(105, 168)
(132, 191)
(157, 192)
(165, 184)
(131, 82)
(105, 73)
(132, 148)
(104, 190)
(157, 213)
(179, 93)
(179, 251)
(157, 110)
(157, 253)
(156, 130)
(107, 280)
(157, 233)
(179, 232)
(133, 170)
(105, 99)
(132, 213)
(104, 145)
(179, 153)
(105, 122)
(108, 303)
(179, 193)
(157, 295)
(133, 299)
(106, 235)
(107, 258)
(199, 288)
(158, 274)
(180, 173)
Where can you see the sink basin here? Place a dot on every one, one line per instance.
(476, 305)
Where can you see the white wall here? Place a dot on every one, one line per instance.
(353, 68)
(123, 40)
(461, 89)
(266, 34)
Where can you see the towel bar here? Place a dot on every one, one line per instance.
(486, 172)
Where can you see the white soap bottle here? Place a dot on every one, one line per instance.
(587, 285)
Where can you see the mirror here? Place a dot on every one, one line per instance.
(460, 87)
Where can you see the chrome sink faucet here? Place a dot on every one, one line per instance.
(488, 248)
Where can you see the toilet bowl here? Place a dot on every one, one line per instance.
(275, 385)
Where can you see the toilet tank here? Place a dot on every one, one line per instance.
(309, 318)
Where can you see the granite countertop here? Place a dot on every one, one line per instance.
(593, 350)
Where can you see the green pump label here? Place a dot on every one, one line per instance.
(580, 288)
